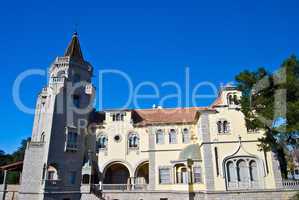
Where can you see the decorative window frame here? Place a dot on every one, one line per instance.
(133, 134)
(237, 184)
(222, 120)
(170, 174)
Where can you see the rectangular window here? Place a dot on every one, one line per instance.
(164, 176)
(72, 140)
(118, 117)
(72, 177)
(50, 175)
(76, 101)
(159, 137)
(172, 138)
(186, 137)
(197, 174)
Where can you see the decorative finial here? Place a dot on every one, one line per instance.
(76, 30)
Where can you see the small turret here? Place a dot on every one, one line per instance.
(229, 96)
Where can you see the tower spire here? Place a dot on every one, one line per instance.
(74, 50)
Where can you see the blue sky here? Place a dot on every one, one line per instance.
(148, 40)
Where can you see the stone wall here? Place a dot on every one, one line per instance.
(246, 195)
(176, 195)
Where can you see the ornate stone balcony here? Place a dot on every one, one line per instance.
(291, 184)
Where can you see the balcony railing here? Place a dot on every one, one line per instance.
(120, 187)
(50, 185)
(63, 59)
(291, 184)
(57, 80)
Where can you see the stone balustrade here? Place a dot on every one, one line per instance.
(57, 80)
(291, 184)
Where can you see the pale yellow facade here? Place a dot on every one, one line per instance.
(206, 150)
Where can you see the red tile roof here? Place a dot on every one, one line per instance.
(167, 116)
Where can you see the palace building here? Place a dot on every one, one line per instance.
(140, 154)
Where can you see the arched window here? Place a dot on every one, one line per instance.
(86, 179)
(52, 173)
(230, 99)
(61, 74)
(159, 137)
(219, 126)
(102, 142)
(242, 171)
(253, 171)
(231, 172)
(236, 101)
(172, 136)
(225, 127)
(42, 137)
(133, 140)
(186, 136)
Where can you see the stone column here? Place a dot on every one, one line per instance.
(152, 158)
(207, 152)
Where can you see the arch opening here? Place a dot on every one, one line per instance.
(116, 173)
(142, 174)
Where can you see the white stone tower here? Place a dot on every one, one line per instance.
(55, 155)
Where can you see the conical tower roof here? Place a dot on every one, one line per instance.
(74, 50)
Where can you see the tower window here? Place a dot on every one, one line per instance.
(232, 99)
(42, 137)
(72, 177)
(72, 142)
(52, 173)
(236, 101)
(76, 101)
(225, 127)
